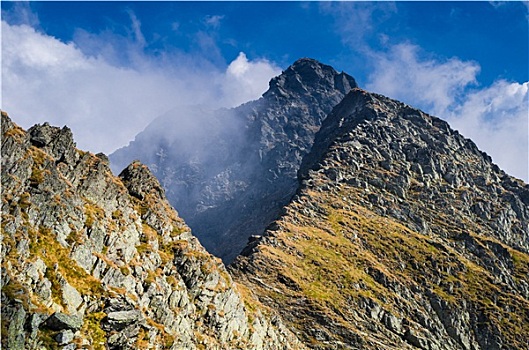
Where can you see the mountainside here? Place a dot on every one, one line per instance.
(90, 260)
(229, 172)
(402, 235)
(389, 230)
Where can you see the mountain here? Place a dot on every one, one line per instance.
(91, 260)
(229, 172)
(376, 227)
(402, 235)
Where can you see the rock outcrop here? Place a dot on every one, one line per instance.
(402, 235)
(229, 172)
(91, 260)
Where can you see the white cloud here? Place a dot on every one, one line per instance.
(494, 117)
(244, 79)
(107, 104)
(431, 84)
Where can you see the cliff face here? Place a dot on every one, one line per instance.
(401, 235)
(229, 172)
(97, 261)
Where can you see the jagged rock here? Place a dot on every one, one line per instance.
(139, 181)
(34, 322)
(118, 320)
(15, 332)
(60, 321)
(57, 142)
(90, 258)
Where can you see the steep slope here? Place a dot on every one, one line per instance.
(96, 261)
(403, 235)
(229, 172)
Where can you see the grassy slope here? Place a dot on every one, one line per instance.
(331, 257)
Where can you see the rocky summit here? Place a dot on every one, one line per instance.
(229, 172)
(95, 261)
(402, 235)
(371, 225)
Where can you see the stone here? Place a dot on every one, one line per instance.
(64, 337)
(15, 332)
(118, 320)
(71, 297)
(60, 321)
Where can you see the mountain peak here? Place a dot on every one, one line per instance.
(308, 64)
(306, 76)
(251, 151)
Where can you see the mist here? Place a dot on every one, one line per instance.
(190, 132)
(105, 101)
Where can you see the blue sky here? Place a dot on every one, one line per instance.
(108, 68)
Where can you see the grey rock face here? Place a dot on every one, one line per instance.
(428, 162)
(103, 261)
(402, 235)
(15, 332)
(229, 172)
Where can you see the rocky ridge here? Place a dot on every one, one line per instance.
(91, 260)
(402, 235)
(232, 179)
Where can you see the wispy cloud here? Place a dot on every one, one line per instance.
(356, 21)
(105, 102)
(499, 5)
(213, 21)
(433, 84)
(496, 118)
(136, 27)
(21, 13)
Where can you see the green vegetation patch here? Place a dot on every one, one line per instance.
(92, 331)
(38, 169)
(93, 213)
(43, 244)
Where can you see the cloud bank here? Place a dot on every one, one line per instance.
(106, 104)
